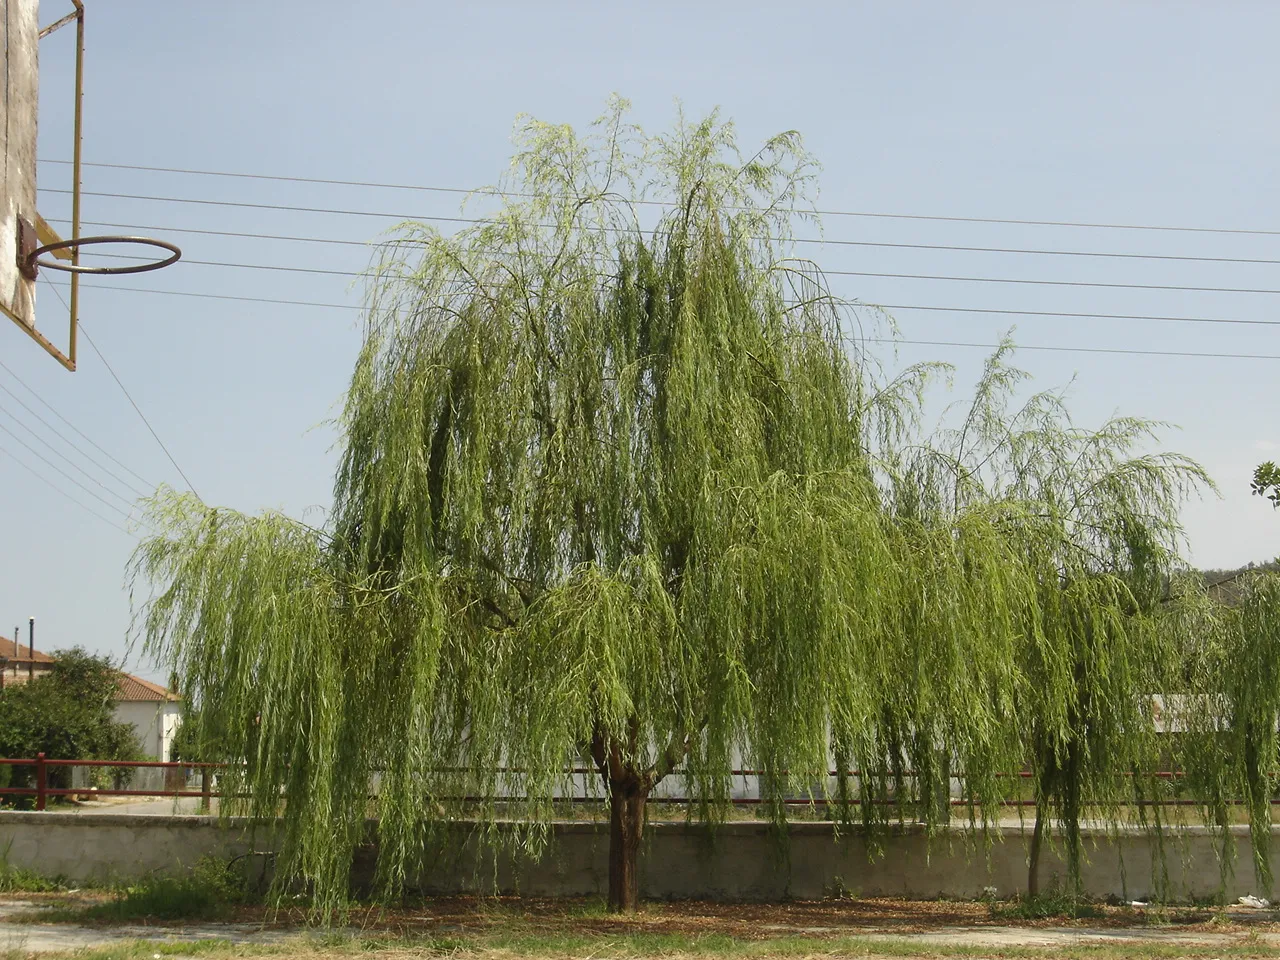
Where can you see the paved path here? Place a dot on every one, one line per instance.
(34, 937)
(57, 937)
(159, 807)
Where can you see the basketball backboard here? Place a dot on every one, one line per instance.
(22, 229)
(27, 243)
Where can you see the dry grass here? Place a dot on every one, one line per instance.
(509, 928)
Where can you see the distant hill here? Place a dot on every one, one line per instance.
(1218, 575)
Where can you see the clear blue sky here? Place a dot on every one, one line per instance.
(1142, 113)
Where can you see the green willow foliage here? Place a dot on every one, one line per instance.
(1095, 526)
(1235, 721)
(616, 486)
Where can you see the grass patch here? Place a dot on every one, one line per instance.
(210, 892)
(20, 880)
(1052, 905)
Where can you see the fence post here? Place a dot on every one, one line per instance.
(41, 781)
(206, 789)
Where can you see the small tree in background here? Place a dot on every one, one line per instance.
(1266, 482)
(1093, 523)
(1238, 716)
(66, 714)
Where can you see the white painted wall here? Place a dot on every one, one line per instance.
(154, 722)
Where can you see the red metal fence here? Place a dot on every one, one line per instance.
(41, 791)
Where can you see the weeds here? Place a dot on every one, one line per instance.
(21, 880)
(1045, 906)
(209, 892)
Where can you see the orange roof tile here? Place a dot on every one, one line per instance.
(134, 689)
(6, 650)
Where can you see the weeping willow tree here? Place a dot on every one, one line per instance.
(1093, 522)
(614, 486)
(1232, 717)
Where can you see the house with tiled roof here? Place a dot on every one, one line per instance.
(154, 712)
(20, 662)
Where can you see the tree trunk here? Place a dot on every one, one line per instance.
(1037, 844)
(626, 824)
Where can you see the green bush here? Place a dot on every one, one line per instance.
(66, 715)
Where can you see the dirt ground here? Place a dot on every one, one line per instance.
(474, 925)
(754, 921)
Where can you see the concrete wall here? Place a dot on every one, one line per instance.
(740, 861)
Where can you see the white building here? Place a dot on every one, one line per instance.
(154, 713)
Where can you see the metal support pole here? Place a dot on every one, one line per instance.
(206, 789)
(31, 649)
(42, 782)
(76, 181)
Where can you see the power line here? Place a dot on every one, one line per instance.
(879, 306)
(227, 296)
(1117, 350)
(62, 456)
(1033, 313)
(278, 268)
(822, 241)
(54, 430)
(668, 203)
(1073, 316)
(138, 410)
(1050, 283)
(34, 452)
(847, 273)
(1171, 288)
(242, 204)
(151, 228)
(56, 489)
(77, 430)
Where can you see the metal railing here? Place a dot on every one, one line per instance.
(42, 791)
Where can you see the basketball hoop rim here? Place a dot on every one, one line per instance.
(175, 254)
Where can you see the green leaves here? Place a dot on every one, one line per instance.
(66, 714)
(614, 485)
(1266, 482)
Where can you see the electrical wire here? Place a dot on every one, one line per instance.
(1093, 284)
(62, 456)
(930, 277)
(227, 296)
(942, 343)
(1116, 350)
(76, 429)
(1071, 316)
(36, 453)
(822, 241)
(191, 486)
(876, 306)
(54, 430)
(668, 203)
(46, 483)
(61, 436)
